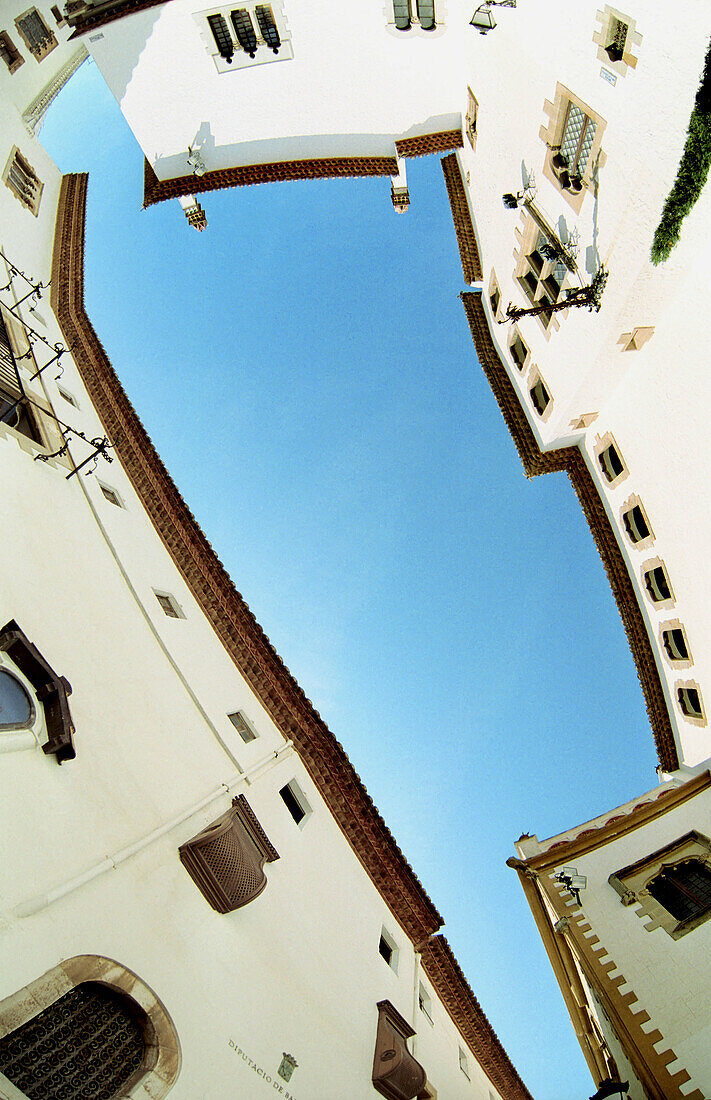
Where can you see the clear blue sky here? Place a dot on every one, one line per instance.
(305, 370)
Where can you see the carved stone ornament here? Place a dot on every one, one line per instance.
(396, 1073)
(227, 858)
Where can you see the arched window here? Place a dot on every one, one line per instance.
(16, 709)
(88, 1028)
(90, 1042)
(403, 17)
(684, 890)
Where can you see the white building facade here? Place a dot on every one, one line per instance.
(199, 896)
(576, 117)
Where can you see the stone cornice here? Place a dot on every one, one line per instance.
(461, 216)
(225, 610)
(536, 461)
(618, 824)
(155, 190)
(443, 971)
(425, 144)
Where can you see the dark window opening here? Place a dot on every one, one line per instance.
(244, 29)
(267, 27)
(519, 352)
(657, 584)
(9, 52)
(58, 17)
(292, 803)
(90, 1042)
(684, 891)
(495, 299)
(222, 36)
(385, 950)
(636, 524)
(675, 644)
(610, 462)
(618, 37)
(540, 397)
(690, 702)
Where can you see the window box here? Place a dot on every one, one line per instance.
(227, 858)
(573, 135)
(396, 1073)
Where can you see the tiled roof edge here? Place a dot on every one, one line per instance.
(535, 461)
(461, 216)
(228, 614)
(445, 974)
(155, 190)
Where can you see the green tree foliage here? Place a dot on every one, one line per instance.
(692, 172)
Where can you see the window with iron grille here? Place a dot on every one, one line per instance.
(22, 180)
(684, 890)
(89, 1042)
(39, 39)
(9, 52)
(577, 139)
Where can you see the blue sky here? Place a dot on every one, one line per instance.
(305, 370)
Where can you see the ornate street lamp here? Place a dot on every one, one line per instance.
(483, 17)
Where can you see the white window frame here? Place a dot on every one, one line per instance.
(390, 940)
(300, 799)
(242, 725)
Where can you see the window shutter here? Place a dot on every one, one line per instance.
(52, 690)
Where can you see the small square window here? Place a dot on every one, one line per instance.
(690, 702)
(9, 52)
(540, 397)
(170, 605)
(388, 949)
(657, 584)
(636, 524)
(66, 396)
(425, 1003)
(519, 351)
(113, 498)
(675, 644)
(464, 1064)
(243, 727)
(296, 803)
(610, 462)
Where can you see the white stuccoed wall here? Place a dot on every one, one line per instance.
(296, 970)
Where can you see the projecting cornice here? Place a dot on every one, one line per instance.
(536, 461)
(444, 972)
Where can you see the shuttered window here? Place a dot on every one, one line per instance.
(244, 29)
(37, 35)
(23, 181)
(268, 27)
